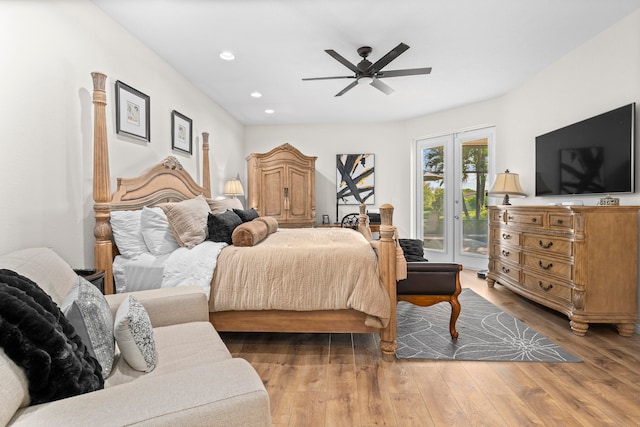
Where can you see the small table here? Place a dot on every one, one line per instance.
(96, 277)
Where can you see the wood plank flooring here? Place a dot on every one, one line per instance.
(340, 380)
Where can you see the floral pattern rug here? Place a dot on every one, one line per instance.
(485, 333)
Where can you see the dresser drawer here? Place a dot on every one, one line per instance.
(507, 253)
(551, 244)
(561, 222)
(553, 289)
(530, 219)
(510, 270)
(548, 265)
(506, 236)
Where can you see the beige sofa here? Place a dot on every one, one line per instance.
(196, 382)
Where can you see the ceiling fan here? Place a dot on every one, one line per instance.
(371, 73)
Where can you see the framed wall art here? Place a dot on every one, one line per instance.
(181, 132)
(355, 179)
(132, 112)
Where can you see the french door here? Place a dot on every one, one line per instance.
(451, 208)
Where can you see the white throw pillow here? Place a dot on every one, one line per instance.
(127, 232)
(134, 335)
(156, 231)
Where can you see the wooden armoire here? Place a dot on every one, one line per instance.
(282, 185)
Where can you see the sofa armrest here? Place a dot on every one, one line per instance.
(228, 392)
(168, 306)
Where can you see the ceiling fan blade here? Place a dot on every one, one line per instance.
(383, 87)
(348, 88)
(390, 56)
(342, 60)
(328, 78)
(399, 73)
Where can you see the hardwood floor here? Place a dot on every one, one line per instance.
(340, 379)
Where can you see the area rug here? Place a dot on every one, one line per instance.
(485, 333)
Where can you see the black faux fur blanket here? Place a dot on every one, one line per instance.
(38, 338)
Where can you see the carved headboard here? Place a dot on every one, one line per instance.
(167, 181)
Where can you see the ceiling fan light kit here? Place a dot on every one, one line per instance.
(366, 72)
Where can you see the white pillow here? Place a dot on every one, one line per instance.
(134, 335)
(156, 232)
(127, 233)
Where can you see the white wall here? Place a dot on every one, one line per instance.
(48, 51)
(599, 76)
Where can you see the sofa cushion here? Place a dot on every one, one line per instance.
(88, 311)
(14, 392)
(44, 267)
(134, 335)
(38, 338)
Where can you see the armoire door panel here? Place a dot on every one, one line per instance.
(272, 193)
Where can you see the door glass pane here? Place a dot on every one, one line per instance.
(433, 197)
(474, 210)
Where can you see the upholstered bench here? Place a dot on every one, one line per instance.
(428, 283)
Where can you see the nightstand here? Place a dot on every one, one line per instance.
(96, 277)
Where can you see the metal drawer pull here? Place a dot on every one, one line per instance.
(506, 236)
(546, 267)
(505, 253)
(559, 221)
(505, 270)
(547, 246)
(545, 288)
(533, 219)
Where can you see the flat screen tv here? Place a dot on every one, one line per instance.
(594, 156)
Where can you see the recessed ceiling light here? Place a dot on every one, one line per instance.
(256, 94)
(269, 111)
(227, 56)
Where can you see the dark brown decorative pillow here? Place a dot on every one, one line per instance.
(247, 215)
(221, 226)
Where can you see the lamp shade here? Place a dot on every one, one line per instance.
(233, 188)
(507, 184)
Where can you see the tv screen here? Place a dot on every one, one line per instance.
(594, 156)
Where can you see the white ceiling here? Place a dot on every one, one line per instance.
(479, 49)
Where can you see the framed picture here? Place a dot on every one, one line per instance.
(181, 132)
(132, 112)
(354, 179)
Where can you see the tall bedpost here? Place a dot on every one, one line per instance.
(103, 249)
(363, 222)
(206, 175)
(387, 256)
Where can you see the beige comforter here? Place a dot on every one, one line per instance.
(302, 269)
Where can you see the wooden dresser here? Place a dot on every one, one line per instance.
(579, 260)
(282, 185)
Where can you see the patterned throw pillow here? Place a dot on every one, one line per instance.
(134, 335)
(88, 311)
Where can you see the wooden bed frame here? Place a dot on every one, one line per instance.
(168, 181)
